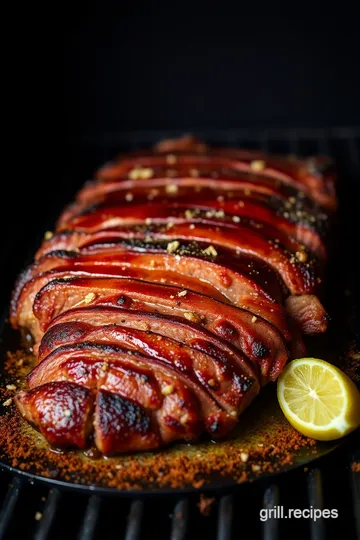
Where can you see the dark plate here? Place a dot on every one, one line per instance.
(264, 434)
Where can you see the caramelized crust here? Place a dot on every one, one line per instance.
(62, 411)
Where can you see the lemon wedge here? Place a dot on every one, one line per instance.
(318, 399)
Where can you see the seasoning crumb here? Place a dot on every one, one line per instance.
(129, 197)
(167, 390)
(152, 263)
(255, 468)
(11, 386)
(148, 221)
(211, 382)
(171, 159)
(172, 296)
(254, 318)
(67, 413)
(191, 316)
(257, 165)
(194, 172)
(177, 471)
(182, 293)
(301, 256)
(48, 235)
(189, 214)
(236, 219)
(140, 173)
(38, 516)
(171, 188)
(104, 367)
(7, 402)
(210, 250)
(172, 246)
(184, 418)
(89, 297)
(244, 456)
(192, 226)
(205, 504)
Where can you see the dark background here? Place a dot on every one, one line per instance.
(143, 67)
(83, 75)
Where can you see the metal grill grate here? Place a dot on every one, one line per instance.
(34, 511)
(79, 517)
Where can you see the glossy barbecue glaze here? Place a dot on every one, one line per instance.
(245, 286)
(296, 267)
(177, 283)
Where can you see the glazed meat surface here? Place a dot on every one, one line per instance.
(176, 285)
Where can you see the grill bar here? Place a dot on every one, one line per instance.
(271, 500)
(355, 489)
(91, 518)
(180, 520)
(316, 500)
(9, 505)
(134, 520)
(225, 518)
(50, 509)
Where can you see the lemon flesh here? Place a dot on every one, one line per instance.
(318, 399)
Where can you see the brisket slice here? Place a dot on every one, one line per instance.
(226, 383)
(318, 172)
(299, 277)
(218, 281)
(201, 211)
(210, 184)
(256, 338)
(22, 315)
(177, 328)
(175, 403)
(308, 313)
(303, 175)
(62, 411)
